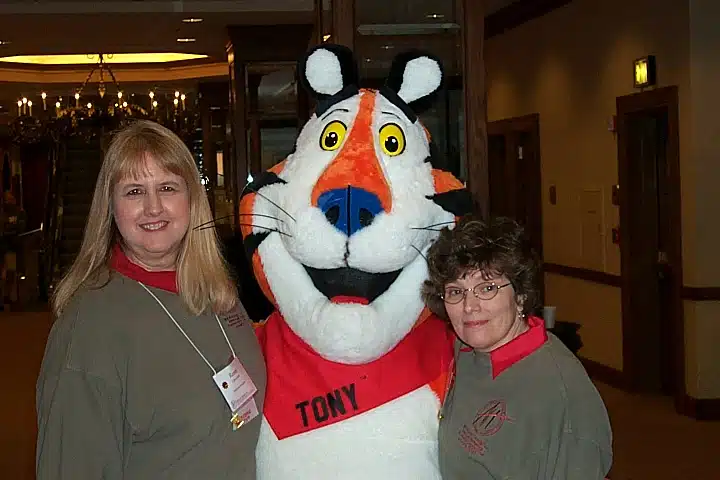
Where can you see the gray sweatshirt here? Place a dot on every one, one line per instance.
(122, 394)
(524, 411)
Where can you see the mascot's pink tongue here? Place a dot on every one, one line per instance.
(349, 299)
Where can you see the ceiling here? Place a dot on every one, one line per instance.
(44, 27)
(88, 26)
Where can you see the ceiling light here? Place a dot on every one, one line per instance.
(435, 15)
(90, 59)
(185, 40)
(4, 42)
(192, 20)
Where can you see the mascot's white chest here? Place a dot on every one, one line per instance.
(395, 441)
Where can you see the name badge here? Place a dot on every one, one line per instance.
(235, 384)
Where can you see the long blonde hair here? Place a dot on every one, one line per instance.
(202, 275)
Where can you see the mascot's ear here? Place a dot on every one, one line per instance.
(327, 69)
(416, 77)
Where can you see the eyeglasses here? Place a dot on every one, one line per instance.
(483, 291)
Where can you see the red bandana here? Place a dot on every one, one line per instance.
(306, 391)
(122, 264)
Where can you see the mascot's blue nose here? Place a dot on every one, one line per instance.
(349, 209)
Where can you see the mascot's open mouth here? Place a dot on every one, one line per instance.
(350, 284)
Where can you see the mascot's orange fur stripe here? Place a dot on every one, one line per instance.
(357, 164)
(445, 181)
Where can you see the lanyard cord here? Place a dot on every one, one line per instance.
(186, 335)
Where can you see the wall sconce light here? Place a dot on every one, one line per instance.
(644, 73)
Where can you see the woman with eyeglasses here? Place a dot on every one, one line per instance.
(520, 405)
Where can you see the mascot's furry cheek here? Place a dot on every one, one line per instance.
(314, 242)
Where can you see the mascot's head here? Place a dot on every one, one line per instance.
(336, 232)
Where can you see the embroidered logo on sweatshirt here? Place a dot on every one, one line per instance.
(487, 422)
(236, 318)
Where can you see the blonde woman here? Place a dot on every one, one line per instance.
(152, 369)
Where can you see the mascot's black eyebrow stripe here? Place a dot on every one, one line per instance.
(391, 113)
(253, 241)
(458, 202)
(326, 103)
(395, 99)
(263, 180)
(335, 110)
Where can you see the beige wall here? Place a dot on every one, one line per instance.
(569, 66)
(702, 319)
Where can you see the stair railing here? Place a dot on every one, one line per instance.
(53, 218)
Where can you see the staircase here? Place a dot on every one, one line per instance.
(77, 184)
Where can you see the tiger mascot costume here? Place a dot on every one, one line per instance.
(357, 368)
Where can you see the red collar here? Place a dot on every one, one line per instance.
(122, 264)
(306, 392)
(518, 348)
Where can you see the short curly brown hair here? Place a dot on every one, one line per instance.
(497, 246)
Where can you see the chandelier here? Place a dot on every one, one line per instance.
(87, 114)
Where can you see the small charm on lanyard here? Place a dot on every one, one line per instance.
(244, 414)
(237, 421)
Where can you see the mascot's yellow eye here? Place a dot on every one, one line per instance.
(332, 136)
(392, 139)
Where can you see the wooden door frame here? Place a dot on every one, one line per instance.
(530, 124)
(662, 97)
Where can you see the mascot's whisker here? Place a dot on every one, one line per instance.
(426, 227)
(212, 222)
(420, 252)
(250, 225)
(275, 204)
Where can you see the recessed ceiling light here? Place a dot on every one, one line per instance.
(89, 59)
(192, 20)
(185, 40)
(4, 42)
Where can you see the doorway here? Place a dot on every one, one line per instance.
(650, 242)
(514, 173)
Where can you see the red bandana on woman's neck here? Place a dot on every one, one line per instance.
(123, 265)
